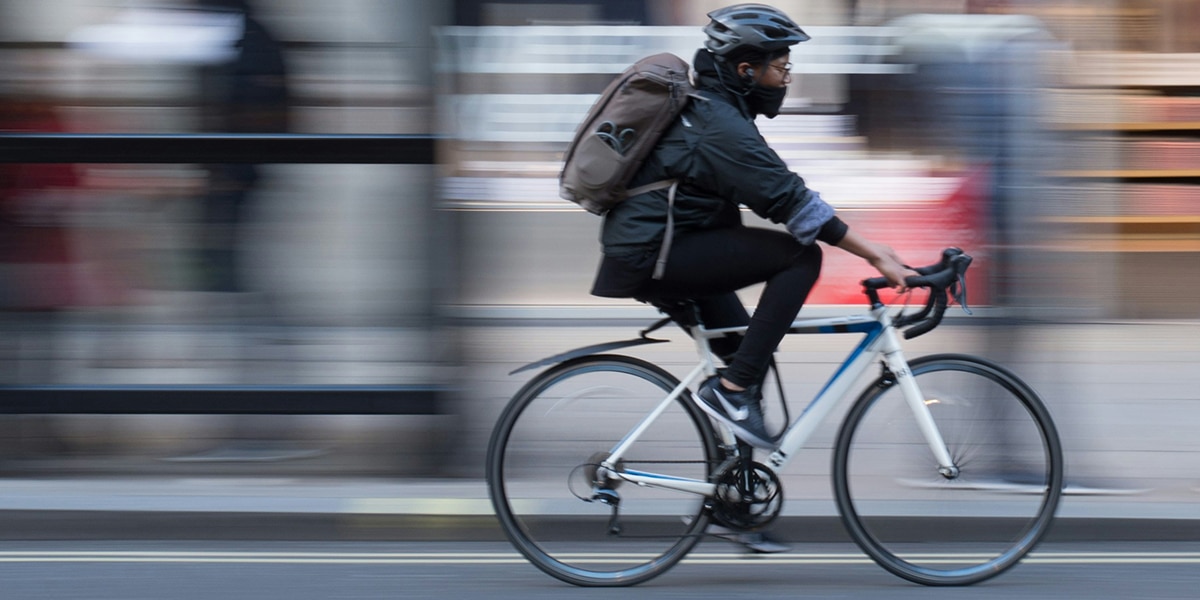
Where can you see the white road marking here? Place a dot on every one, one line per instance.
(486, 558)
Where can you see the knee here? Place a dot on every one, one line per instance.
(805, 265)
(809, 257)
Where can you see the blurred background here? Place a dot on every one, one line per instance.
(1055, 140)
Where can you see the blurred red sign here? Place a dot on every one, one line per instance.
(918, 232)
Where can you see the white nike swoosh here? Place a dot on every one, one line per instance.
(738, 413)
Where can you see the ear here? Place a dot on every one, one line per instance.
(745, 70)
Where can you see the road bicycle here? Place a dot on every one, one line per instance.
(604, 472)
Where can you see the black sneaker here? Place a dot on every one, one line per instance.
(741, 411)
(756, 542)
(752, 541)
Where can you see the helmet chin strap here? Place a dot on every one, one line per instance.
(747, 79)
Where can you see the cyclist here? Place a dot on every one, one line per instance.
(722, 162)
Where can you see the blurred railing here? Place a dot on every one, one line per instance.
(512, 98)
(420, 398)
(551, 75)
(570, 50)
(216, 148)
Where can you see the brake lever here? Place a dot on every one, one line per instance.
(958, 288)
(958, 291)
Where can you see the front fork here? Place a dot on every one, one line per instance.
(898, 371)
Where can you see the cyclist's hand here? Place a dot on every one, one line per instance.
(880, 256)
(888, 263)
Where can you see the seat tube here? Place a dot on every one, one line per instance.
(898, 365)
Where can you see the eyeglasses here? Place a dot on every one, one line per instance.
(785, 69)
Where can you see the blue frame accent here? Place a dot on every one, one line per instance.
(872, 329)
(657, 476)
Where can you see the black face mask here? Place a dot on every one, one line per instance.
(765, 101)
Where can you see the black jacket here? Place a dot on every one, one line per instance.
(722, 162)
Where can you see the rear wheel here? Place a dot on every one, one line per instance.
(952, 528)
(554, 501)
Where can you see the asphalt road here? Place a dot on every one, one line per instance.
(338, 570)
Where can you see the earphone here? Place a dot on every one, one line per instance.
(749, 72)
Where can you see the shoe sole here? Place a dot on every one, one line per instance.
(762, 545)
(741, 432)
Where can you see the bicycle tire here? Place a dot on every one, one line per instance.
(934, 529)
(540, 476)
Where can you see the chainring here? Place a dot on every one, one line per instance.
(747, 499)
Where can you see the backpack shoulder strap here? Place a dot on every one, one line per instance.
(650, 187)
(660, 265)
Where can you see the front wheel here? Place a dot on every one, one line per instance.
(555, 502)
(958, 526)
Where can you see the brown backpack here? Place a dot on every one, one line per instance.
(621, 129)
(619, 132)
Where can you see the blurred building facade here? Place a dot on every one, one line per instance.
(359, 260)
(344, 257)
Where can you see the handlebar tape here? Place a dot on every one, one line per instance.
(937, 278)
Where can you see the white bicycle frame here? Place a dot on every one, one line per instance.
(880, 339)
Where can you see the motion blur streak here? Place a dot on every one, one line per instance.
(1055, 140)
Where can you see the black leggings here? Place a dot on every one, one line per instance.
(710, 266)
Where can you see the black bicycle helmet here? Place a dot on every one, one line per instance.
(751, 27)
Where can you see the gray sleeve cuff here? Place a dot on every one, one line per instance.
(806, 223)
